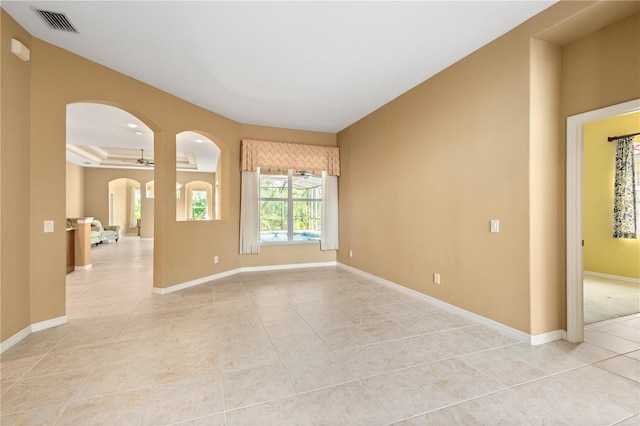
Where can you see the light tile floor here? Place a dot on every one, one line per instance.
(606, 298)
(317, 346)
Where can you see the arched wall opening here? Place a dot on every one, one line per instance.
(196, 201)
(111, 153)
(125, 205)
(198, 159)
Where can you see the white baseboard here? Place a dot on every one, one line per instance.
(540, 339)
(53, 322)
(504, 329)
(83, 267)
(11, 341)
(39, 326)
(182, 286)
(613, 277)
(291, 266)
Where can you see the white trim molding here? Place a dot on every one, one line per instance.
(53, 322)
(187, 284)
(540, 339)
(192, 283)
(16, 338)
(38, 326)
(613, 277)
(575, 151)
(83, 267)
(521, 336)
(291, 266)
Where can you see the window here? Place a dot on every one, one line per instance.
(290, 207)
(149, 188)
(136, 206)
(199, 205)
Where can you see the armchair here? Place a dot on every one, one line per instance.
(100, 233)
(96, 232)
(110, 233)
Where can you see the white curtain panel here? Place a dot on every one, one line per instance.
(329, 239)
(250, 213)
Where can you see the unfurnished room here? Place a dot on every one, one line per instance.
(320, 212)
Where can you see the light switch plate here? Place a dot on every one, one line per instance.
(48, 226)
(495, 225)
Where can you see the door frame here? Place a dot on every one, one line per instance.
(575, 267)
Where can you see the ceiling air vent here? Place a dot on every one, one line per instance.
(56, 21)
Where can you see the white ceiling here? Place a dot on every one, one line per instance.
(305, 65)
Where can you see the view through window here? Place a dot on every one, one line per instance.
(290, 207)
(199, 210)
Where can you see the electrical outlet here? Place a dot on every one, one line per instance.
(436, 278)
(215, 259)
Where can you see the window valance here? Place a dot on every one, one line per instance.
(284, 156)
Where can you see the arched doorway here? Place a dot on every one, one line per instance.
(109, 152)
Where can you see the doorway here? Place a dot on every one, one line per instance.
(109, 152)
(574, 219)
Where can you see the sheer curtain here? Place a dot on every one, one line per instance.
(329, 239)
(624, 201)
(250, 213)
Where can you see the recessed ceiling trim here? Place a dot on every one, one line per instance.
(96, 150)
(82, 152)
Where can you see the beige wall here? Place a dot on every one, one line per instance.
(426, 173)
(74, 195)
(483, 140)
(274, 134)
(33, 281)
(15, 224)
(546, 213)
(601, 69)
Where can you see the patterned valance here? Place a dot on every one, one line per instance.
(284, 156)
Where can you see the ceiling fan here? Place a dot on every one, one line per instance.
(142, 161)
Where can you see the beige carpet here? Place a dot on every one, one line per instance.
(606, 298)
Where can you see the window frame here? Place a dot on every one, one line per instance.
(290, 200)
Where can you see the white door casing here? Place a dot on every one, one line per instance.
(575, 151)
